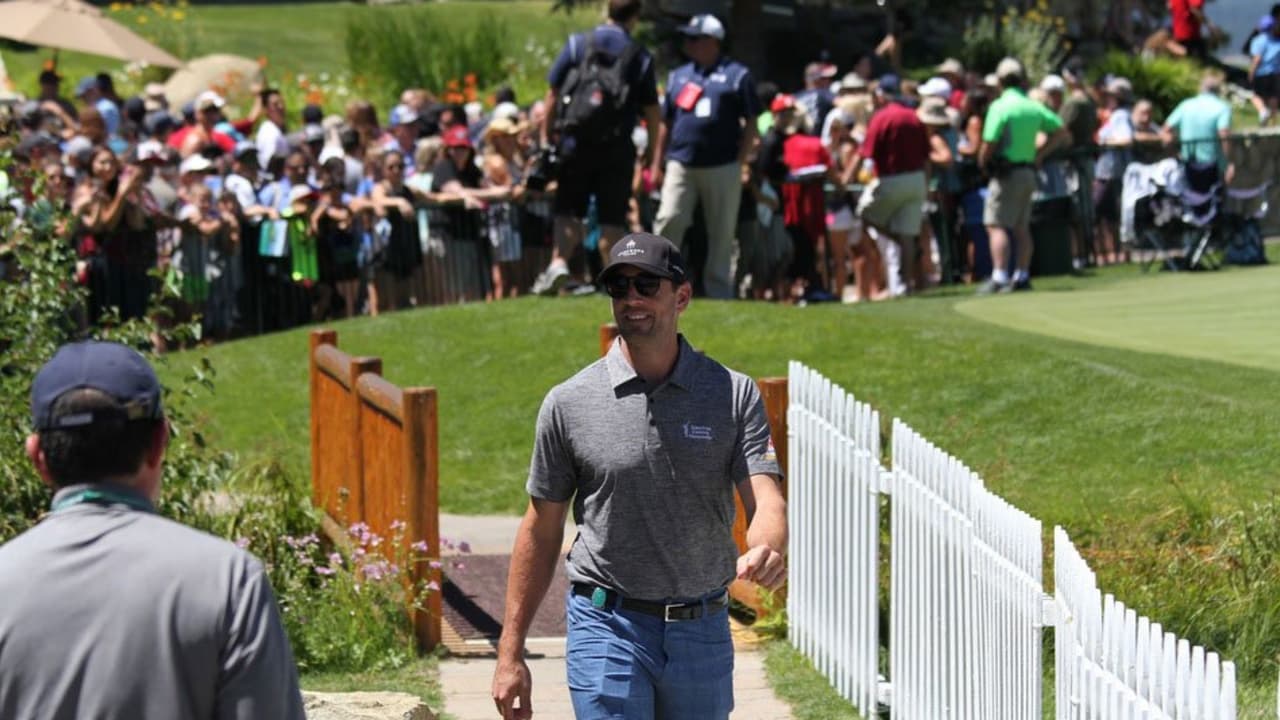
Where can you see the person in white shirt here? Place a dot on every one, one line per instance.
(270, 139)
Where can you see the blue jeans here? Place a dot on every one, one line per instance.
(625, 665)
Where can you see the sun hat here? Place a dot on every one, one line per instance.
(502, 126)
(110, 368)
(506, 109)
(951, 66)
(651, 253)
(852, 82)
(1010, 68)
(150, 151)
(704, 25)
(933, 112)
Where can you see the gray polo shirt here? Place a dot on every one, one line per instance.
(110, 612)
(651, 471)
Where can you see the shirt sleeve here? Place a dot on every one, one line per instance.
(564, 61)
(646, 88)
(1175, 118)
(755, 454)
(750, 100)
(551, 470)
(1224, 118)
(669, 107)
(1049, 120)
(257, 677)
(1256, 44)
(993, 126)
(868, 147)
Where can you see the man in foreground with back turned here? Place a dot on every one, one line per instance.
(649, 444)
(107, 610)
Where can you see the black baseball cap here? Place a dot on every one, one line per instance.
(651, 253)
(111, 368)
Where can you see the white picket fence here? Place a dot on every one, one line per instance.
(966, 598)
(834, 515)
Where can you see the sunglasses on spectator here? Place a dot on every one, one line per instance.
(619, 286)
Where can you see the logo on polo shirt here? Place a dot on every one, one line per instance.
(697, 432)
(631, 249)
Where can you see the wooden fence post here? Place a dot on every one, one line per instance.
(317, 338)
(773, 390)
(355, 500)
(422, 500)
(608, 333)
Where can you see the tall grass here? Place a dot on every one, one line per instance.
(395, 48)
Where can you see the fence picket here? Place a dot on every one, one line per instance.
(966, 599)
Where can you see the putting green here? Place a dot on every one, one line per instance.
(1231, 317)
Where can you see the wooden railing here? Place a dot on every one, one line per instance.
(774, 392)
(375, 459)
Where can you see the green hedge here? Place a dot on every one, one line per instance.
(1164, 81)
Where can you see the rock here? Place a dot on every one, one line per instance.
(232, 76)
(365, 706)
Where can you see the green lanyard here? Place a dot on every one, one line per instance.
(100, 496)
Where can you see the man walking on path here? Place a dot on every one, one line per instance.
(708, 130)
(1010, 157)
(111, 611)
(649, 444)
(593, 132)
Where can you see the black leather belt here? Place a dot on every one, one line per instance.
(671, 612)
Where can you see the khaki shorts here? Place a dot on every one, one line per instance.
(895, 203)
(1009, 199)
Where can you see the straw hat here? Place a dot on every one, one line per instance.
(502, 126)
(933, 112)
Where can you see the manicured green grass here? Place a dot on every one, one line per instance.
(1073, 433)
(306, 37)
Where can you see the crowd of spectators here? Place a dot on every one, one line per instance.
(860, 186)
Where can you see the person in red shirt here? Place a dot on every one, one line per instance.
(197, 137)
(803, 200)
(897, 146)
(1188, 17)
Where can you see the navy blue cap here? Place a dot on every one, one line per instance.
(651, 253)
(889, 84)
(108, 367)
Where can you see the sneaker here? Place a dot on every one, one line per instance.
(551, 281)
(991, 287)
(1020, 285)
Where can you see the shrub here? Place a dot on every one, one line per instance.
(1162, 80)
(394, 48)
(1033, 36)
(343, 614)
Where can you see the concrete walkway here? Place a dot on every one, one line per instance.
(466, 680)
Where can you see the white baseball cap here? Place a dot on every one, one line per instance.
(1053, 83)
(704, 25)
(936, 87)
(208, 99)
(196, 163)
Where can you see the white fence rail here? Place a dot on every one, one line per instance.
(834, 458)
(965, 593)
(966, 599)
(1112, 662)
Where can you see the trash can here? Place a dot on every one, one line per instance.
(1051, 236)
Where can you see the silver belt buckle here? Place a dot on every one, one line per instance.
(666, 612)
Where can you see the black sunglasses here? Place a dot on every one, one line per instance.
(619, 286)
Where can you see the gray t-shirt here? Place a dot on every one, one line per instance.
(108, 612)
(651, 472)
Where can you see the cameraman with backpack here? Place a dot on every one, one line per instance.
(600, 83)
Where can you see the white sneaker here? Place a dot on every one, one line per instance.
(551, 280)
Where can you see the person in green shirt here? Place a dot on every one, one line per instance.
(1010, 154)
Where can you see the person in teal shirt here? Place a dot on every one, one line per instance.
(1203, 125)
(1010, 155)
(1264, 66)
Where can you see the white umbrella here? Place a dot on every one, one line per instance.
(75, 25)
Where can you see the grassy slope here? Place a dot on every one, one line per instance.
(306, 37)
(1072, 433)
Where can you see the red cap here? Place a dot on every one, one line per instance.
(782, 101)
(456, 136)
